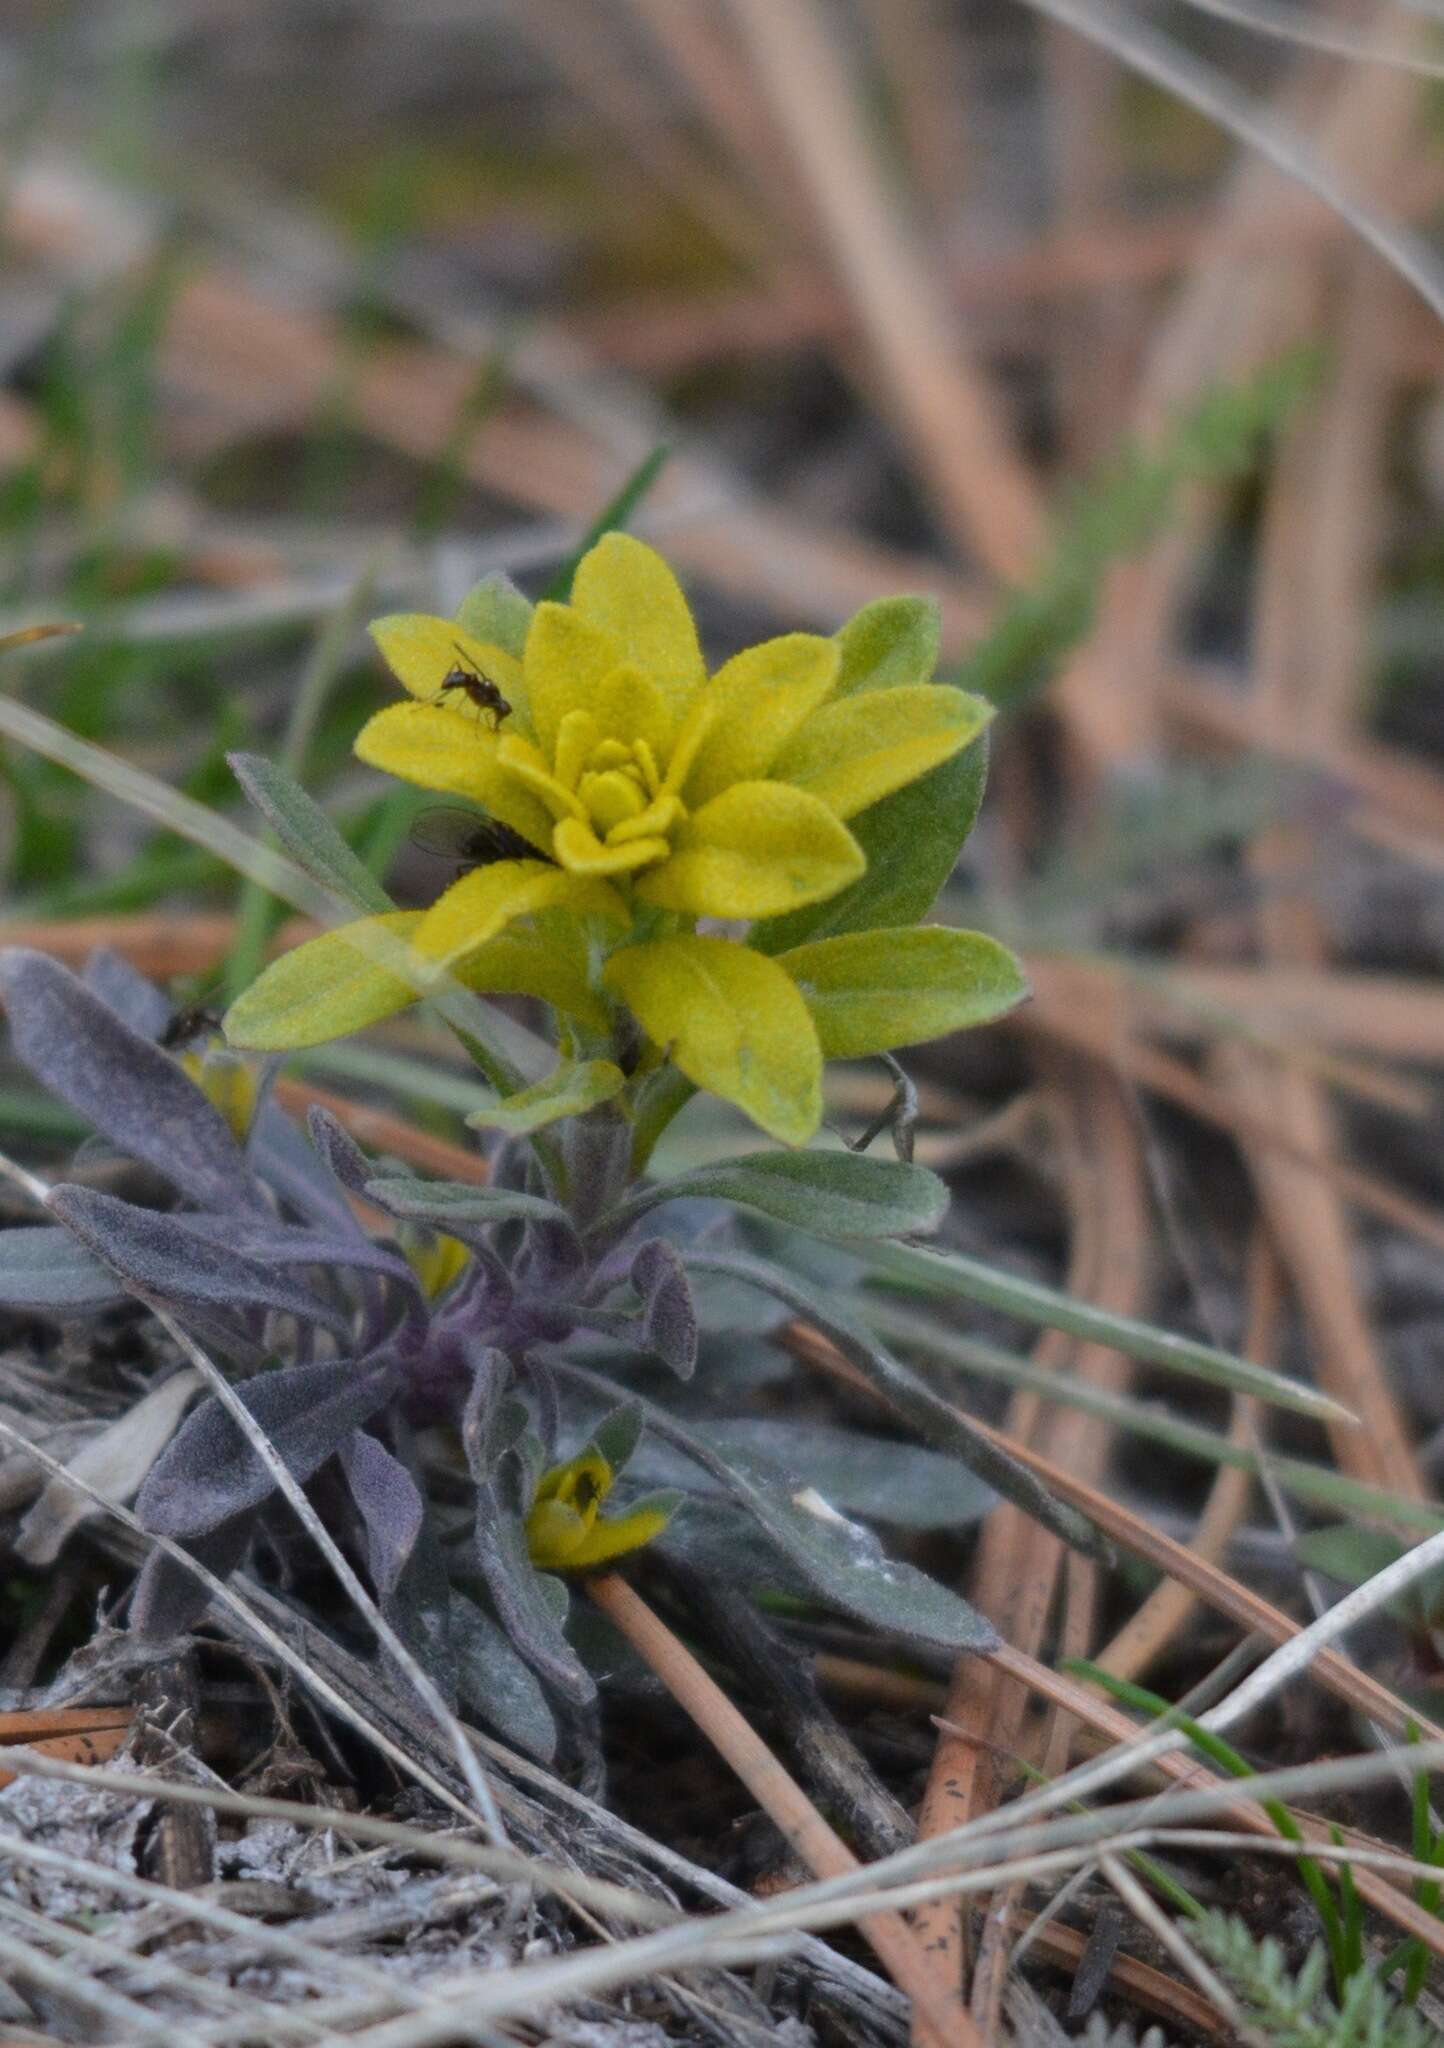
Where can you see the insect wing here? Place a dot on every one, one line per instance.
(452, 834)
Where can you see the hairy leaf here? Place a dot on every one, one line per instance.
(452, 1205)
(209, 1473)
(183, 1262)
(495, 1683)
(391, 1509)
(941, 1424)
(126, 1087)
(831, 1194)
(307, 833)
(42, 1266)
(669, 1324)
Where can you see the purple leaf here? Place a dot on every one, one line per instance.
(136, 1001)
(339, 1149)
(132, 1092)
(182, 1262)
(168, 1599)
(209, 1473)
(669, 1324)
(290, 1166)
(390, 1506)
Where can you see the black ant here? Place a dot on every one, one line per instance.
(196, 1020)
(481, 690)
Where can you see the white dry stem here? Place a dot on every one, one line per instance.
(1147, 50)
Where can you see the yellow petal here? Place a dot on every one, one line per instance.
(567, 660)
(757, 850)
(580, 851)
(732, 1021)
(578, 736)
(487, 900)
(858, 749)
(612, 799)
(526, 765)
(614, 1536)
(329, 986)
(758, 701)
(422, 651)
(441, 749)
(630, 707)
(627, 589)
(555, 1533)
(688, 743)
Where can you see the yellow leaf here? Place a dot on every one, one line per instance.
(627, 589)
(488, 899)
(548, 960)
(630, 707)
(858, 749)
(567, 660)
(329, 986)
(570, 1089)
(733, 1022)
(871, 991)
(456, 755)
(758, 849)
(758, 701)
(422, 651)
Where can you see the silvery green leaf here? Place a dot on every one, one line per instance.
(179, 1261)
(618, 1433)
(113, 1464)
(126, 1087)
(43, 1266)
(951, 1273)
(458, 1205)
(209, 1473)
(496, 610)
(831, 1194)
(307, 833)
(669, 1322)
(935, 1419)
(390, 1507)
(136, 1001)
(842, 1563)
(526, 1600)
(493, 1422)
(875, 1477)
(496, 1684)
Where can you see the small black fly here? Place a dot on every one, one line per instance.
(196, 1020)
(479, 689)
(469, 839)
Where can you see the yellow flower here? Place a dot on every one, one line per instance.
(228, 1084)
(652, 796)
(565, 1529)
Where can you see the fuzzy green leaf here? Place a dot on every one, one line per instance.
(888, 645)
(831, 1194)
(871, 991)
(569, 1090)
(495, 611)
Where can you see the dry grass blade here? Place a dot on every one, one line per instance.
(937, 2010)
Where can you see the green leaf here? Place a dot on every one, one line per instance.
(942, 1425)
(832, 1194)
(457, 1203)
(911, 840)
(494, 610)
(617, 1435)
(570, 1090)
(327, 987)
(952, 1273)
(44, 1267)
(840, 1563)
(307, 833)
(871, 991)
(1352, 1555)
(494, 1680)
(613, 515)
(888, 645)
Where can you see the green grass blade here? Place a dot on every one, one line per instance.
(614, 514)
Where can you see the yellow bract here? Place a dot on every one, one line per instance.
(565, 1529)
(651, 796)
